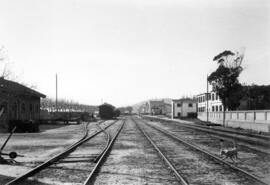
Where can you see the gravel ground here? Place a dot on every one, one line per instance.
(133, 161)
(77, 166)
(37, 147)
(195, 167)
(250, 160)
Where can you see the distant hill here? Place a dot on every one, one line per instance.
(138, 105)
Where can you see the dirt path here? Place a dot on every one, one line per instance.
(37, 147)
(133, 161)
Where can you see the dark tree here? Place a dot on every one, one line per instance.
(106, 111)
(225, 79)
(256, 97)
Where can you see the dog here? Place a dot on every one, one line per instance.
(229, 153)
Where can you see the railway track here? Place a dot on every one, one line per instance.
(241, 140)
(257, 139)
(91, 178)
(190, 163)
(134, 161)
(251, 158)
(58, 159)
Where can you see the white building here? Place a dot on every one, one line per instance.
(183, 107)
(214, 102)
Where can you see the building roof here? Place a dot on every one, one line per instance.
(184, 100)
(16, 88)
(205, 93)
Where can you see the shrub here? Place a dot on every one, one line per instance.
(106, 111)
(192, 115)
(23, 126)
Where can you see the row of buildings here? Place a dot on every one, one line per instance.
(184, 107)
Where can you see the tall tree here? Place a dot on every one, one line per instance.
(225, 79)
(5, 71)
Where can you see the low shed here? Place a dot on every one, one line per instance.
(18, 102)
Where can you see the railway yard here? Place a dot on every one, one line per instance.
(135, 150)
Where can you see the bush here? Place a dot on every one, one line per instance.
(106, 111)
(23, 126)
(192, 115)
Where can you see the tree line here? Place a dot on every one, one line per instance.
(65, 106)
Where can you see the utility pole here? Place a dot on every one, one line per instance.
(56, 87)
(207, 97)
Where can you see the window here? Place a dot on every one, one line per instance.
(216, 108)
(213, 109)
(213, 96)
(190, 105)
(216, 96)
(220, 108)
(23, 108)
(203, 98)
(179, 104)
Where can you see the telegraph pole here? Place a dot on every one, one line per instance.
(207, 113)
(56, 93)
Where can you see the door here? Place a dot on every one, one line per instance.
(14, 111)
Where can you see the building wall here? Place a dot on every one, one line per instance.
(214, 103)
(187, 109)
(155, 107)
(258, 120)
(184, 109)
(177, 110)
(18, 107)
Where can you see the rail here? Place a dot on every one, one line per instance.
(206, 153)
(102, 158)
(178, 176)
(58, 156)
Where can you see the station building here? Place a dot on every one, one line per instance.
(183, 107)
(18, 102)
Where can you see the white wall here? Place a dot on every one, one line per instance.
(258, 120)
(184, 109)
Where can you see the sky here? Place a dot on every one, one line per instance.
(126, 51)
